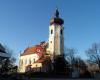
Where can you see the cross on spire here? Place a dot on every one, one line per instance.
(57, 13)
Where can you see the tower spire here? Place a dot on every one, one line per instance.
(56, 19)
(57, 13)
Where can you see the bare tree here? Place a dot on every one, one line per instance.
(7, 62)
(69, 54)
(94, 54)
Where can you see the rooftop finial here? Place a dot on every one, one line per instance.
(57, 13)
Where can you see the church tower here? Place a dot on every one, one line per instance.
(56, 35)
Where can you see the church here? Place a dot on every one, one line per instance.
(39, 58)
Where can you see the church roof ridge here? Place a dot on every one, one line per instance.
(32, 50)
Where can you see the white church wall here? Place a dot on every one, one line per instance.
(27, 60)
(56, 41)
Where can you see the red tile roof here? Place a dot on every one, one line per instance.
(38, 49)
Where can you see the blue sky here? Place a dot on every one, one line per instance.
(25, 23)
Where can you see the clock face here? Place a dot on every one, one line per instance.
(39, 51)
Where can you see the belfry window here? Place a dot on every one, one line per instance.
(61, 32)
(51, 31)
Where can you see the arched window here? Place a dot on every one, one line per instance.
(26, 61)
(21, 62)
(51, 31)
(61, 32)
(29, 61)
(34, 60)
